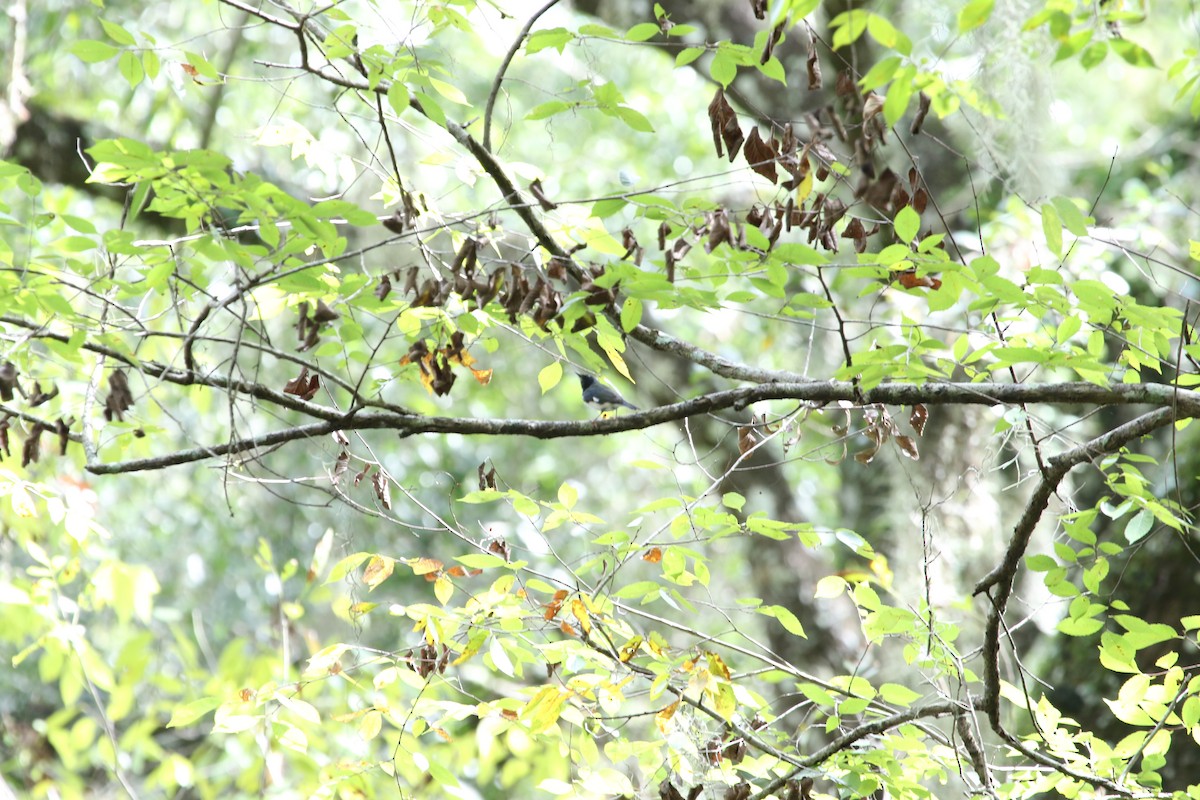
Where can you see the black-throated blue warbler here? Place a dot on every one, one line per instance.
(601, 397)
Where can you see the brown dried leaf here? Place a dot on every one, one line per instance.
(724, 122)
(761, 156)
(868, 455)
(303, 386)
(32, 450)
(872, 105)
(813, 63)
(922, 112)
(775, 38)
(739, 791)
(746, 439)
(735, 751)
(487, 480)
(340, 466)
(911, 280)
(918, 418)
(395, 223)
(908, 446)
(667, 790)
(119, 399)
(8, 380)
(382, 489)
(384, 288)
(718, 230)
(539, 194)
(323, 313)
(920, 200)
(712, 751)
(845, 86)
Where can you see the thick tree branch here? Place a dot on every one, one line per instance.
(872, 728)
(408, 424)
(1003, 576)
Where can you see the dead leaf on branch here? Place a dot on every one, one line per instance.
(487, 480)
(303, 385)
(539, 194)
(8, 381)
(383, 489)
(918, 417)
(775, 38)
(746, 439)
(340, 466)
(32, 450)
(923, 103)
(119, 399)
(384, 288)
(761, 156)
(724, 124)
(739, 791)
(813, 63)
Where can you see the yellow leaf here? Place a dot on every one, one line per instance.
(423, 566)
(663, 717)
(804, 189)
(617, 361)
(443, 589)
(368, 729)
(579, 610)
(378, 570)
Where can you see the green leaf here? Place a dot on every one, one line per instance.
(631, 314)
(688, 55)
(898, 695)
(1082, 626)
(548, 109)
(974, 14)
(634, 119)
(433, 111)
(186, 714)
(723, 69)
(549, 376)
(786, 618)
(881, 73)
(1093, 55)
(481, 561)
(202, 67)
(606, 208)
(899, 94)
(733, 500)
(1052, 228)
(1132, 53)
(398, 97)
(1040, 562)
(552, 37)
(1139, 525)
(882, 31)
(117, 33)
(642, 31)
(92, 51)
(907, 224)
(773, 69)
(796, 253)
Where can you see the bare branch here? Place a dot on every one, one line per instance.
(508, 57)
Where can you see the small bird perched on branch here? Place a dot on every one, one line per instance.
(599, 396)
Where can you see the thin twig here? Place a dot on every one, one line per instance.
(508, 57)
